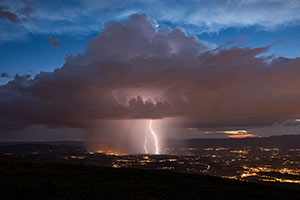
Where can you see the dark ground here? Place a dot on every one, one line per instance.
(28, 179)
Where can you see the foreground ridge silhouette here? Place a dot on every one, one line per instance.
(30, 179)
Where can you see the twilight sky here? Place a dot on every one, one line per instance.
(227, 68)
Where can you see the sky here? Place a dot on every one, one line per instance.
(220, 68)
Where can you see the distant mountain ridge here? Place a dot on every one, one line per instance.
(282, 141)
(66, 142)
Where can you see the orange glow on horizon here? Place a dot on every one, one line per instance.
(242, 136)
(233, 132)
(109, 152)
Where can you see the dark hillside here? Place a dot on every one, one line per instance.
(27, 179)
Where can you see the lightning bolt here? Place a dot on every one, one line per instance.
(155, 137)
(145, 143)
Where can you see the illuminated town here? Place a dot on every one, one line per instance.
(246, 164)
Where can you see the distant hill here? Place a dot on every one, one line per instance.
(283, 142)
(69, 143)
(27, 179)
(29, 148)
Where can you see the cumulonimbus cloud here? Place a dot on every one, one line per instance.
(133, 70)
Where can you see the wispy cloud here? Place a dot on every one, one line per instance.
(198, 16)
(6, 14)
(54, 41)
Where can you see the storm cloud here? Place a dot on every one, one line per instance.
(135, 70)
